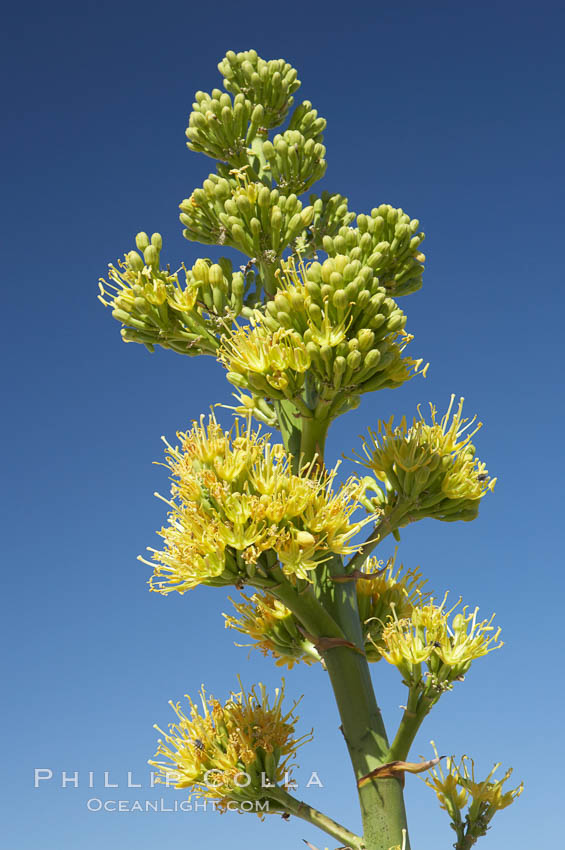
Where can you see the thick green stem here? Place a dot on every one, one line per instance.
(313, 439)
(317, 621)
(267, 271)
(381, 800)
(290, 425)
(316, 818)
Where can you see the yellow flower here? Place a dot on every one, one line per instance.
(234, 496)
(487, 793)
(258, 359)
(403, 646)
(448, 793)
(273, 628)
(457, 786)
(152, 305)
(468, 639)
(387, 595)
(220, 751)
(425, 636)
(431, 468)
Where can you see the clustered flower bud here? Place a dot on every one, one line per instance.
(294, 163)
(388, 242)
(330, 214)
(222, 128)
(156, 309)
(244, 214)
(270, 84)
(342, 328)
(229, 752)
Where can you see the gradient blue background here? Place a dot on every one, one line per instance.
(449, 110)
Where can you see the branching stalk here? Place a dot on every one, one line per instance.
(316, 818)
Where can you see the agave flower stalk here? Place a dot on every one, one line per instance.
(309, 323)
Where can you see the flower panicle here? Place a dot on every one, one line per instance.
(155, 308)
(333, 322)
(236, 502)
(447, 648)
(226, 751)
(430, 468)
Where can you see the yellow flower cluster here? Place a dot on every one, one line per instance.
(271, 364)
(447, 649)
(389, 593)
(235, 497)
(156, 309)
(221, 751)
(333, 320)
(457, 787)
(383, 594)
(273, 628)
(431, 468)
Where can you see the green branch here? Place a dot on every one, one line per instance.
(312, 816)
(385, 526)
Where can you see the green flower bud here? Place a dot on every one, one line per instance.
(142, 240)
(352, 289)
(282, 302)
(285, 320)
(237, 380)
(315, 313)
(200, 271)
(134, 261)
(354, 360)
(340, 299)
(340, 365)
(372, 358)
(151, 256)
(366, 339)
(215, 275)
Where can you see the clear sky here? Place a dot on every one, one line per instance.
(452, 111)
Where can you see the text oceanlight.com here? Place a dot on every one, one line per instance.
(95, 804)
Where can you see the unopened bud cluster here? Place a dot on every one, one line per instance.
(245, 215)
(223, 128)
(330, 214)
(387, 241)
(268, 83)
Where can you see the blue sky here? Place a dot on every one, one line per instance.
(449, 110)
